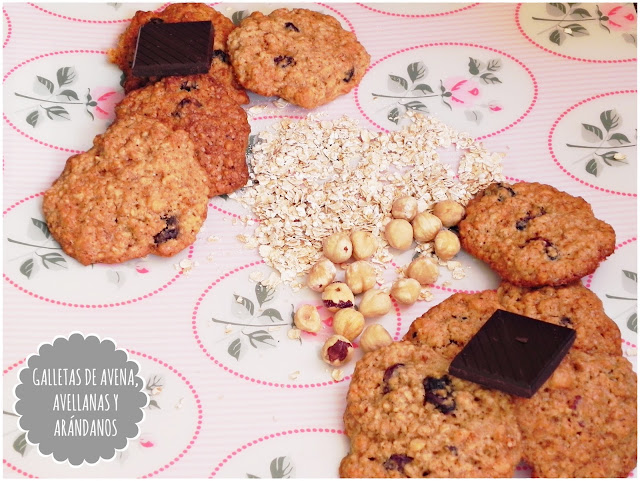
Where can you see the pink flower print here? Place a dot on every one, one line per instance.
(464, 93)
(141, 269)
(106, 99)
(495, 106)
(621, 17)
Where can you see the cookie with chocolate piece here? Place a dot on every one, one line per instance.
(407, 417)
(123, 54)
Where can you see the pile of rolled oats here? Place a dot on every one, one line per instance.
(312, 177)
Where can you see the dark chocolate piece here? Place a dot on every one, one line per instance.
(183, 48)
(496, 357)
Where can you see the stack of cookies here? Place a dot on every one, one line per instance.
(580, 423)
(139, 190)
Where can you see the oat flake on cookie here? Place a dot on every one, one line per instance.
(311, 177)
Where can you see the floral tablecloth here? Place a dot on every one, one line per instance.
(551, 85)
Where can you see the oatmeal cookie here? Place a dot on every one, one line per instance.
(216, 124)
(122, 55)
(303, 56)
(406, 417)
(448, 326)
(139, 190)
(582, 423)
(535, 235)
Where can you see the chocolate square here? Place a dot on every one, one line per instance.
(164, 49)
(513, 353)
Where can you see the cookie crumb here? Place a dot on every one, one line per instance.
(337, 375)
(293, 334)
(294, 375)
(256, 276)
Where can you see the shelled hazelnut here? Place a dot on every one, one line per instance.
(423, 270)
(337, 247)
(364, 244)
(348, 323)
(307, 318)
(449, 212)
(425, 226)
(321, 275)
(336, 296)
(375, 303)
(374, 337)
(399, 234)
(405, 207)
(446, 245)
(406, 291)
(337, 350)
(360, 276)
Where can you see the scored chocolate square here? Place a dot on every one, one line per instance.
(513, 353)
(164, 49)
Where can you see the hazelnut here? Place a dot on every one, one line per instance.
(364, 244)
(375, 303)
(337, 295)
(423, 270)
(321, 275)
(406, 291)
(360, 276)
(399, 234)
(307, 318)
(374, 337)
(446, 245)
(337, 351)
(449, 212)
(405, 207)
(425, 226)
(337, 247)
(348, 323)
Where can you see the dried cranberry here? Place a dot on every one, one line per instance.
(388, 373)
(183, 103)
(339, 351)
(171, 230)
(397, 462)
(501, 196)
(188, 86)
(549, 248)
(523, 222)
(339, 304)
(575, 402)
(349, 75)
(222, 55)
(284, 61)
(439, 392)
(291, 26)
